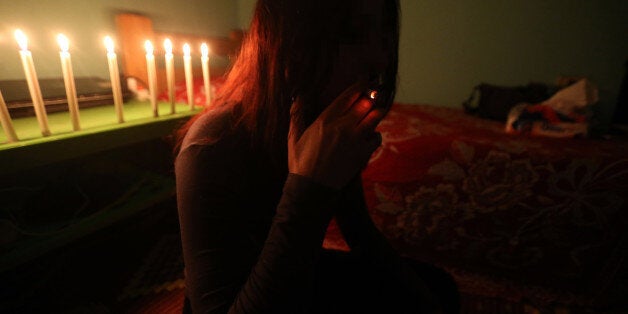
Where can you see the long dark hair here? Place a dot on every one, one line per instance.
(287, 53)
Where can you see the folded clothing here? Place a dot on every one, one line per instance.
(565, 114)
(543, 120)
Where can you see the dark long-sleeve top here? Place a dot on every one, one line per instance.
(252, 234)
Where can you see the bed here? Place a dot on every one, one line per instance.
(514, 216)
(509, 216)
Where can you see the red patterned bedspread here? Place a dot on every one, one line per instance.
(456, 190)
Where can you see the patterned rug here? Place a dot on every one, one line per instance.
(161, 271)
(158, 287)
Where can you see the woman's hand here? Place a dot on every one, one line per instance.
(339, 143)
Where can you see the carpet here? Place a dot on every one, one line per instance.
(158, 287)
(161, 270)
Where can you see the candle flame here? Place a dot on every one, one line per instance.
(22, 41)
(204, 50)
(109, 44)
(149, 47)
(186, 50)
(168, 45)
(64, 43)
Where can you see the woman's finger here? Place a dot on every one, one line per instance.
(344, 101)
(359, 110)
(293, 137)
(370, 121)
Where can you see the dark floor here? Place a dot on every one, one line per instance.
(85, 275)
(91, 274)
(88, 275)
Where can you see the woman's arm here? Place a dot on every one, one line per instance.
(356, 224)
(233, 262)
(366, 240)
(282, 278)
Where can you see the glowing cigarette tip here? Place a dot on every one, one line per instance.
(373, 94)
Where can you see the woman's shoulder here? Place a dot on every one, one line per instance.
(214, 141)
(211, 127)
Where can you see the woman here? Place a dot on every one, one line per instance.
(263, 171)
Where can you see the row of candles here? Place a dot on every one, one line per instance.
(70, 88)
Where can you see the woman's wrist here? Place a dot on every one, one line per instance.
(310, 196)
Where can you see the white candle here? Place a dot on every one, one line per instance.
(5, 119)
(68, 79)
(152, 76)
(189, 80)
(33, 83)
(114, 76)
(206, 76)
(170, 73)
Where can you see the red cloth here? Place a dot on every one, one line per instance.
(181, 94)
(458, 191)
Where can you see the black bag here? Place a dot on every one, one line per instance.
(494, 102)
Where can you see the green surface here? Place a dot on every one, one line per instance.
(95, 119)
(99, 131)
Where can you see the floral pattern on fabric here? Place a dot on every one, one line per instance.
(456, 190)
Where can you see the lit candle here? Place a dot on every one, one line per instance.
(152, 76)
(170, 73)
(68, 79)
(114, 76)
(189, 81)
(5, 119)
(206, 77)
(33, 83)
